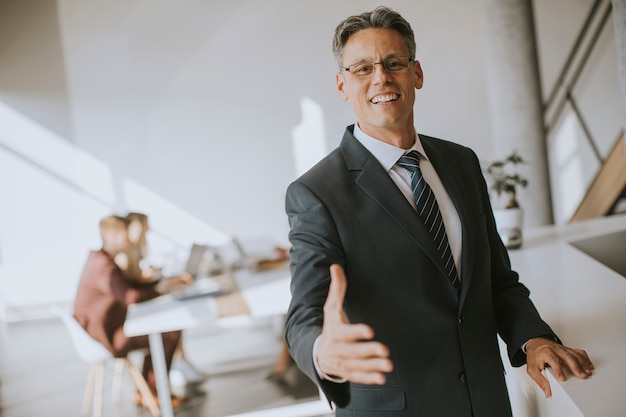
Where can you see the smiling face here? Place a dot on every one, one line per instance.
(382, 101)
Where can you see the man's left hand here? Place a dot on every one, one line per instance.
(542, 353)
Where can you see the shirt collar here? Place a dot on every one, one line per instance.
(386, 154)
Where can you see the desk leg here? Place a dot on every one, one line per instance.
(160, 373)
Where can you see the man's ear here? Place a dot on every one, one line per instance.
(341, 83)
(419, 74)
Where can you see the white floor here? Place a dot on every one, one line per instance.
(40, 374)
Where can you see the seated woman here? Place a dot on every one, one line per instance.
(137, 268)
(134, 261)
(104, 294)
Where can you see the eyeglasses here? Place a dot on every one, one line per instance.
(393, 64)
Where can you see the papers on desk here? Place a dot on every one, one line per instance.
(201, 287)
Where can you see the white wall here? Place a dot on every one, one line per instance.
(192, 108)
(206, 95)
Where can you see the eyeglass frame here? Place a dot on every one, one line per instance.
(383, 63)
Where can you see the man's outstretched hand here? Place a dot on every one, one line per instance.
(542, 353)
(347, 350)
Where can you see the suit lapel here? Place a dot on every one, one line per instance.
(374, 181)
(448, 166)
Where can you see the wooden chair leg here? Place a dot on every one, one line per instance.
(89, 389)
(143, 388)
(117, 379)
(99, 391)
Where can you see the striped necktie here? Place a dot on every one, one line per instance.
(428, 210)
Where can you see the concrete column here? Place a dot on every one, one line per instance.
(515, 100)
(619, 20)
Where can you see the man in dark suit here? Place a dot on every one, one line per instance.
(402, 332)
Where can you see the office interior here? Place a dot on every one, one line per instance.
(200, 114)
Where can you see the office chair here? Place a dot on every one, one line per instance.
(93, 352)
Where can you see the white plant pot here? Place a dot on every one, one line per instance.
(509, 223)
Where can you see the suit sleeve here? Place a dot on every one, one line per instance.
(518, 319)
(315, 245)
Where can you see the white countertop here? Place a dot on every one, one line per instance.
(584, 302)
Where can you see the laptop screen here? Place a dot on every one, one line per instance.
(196, 255)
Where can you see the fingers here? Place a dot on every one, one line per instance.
(536, 373)
(347, 350)
(361, 362)
(579, 364)
(365, 371)
(572, 361)
(542, 353)
(364, 356)
(359, 351)
(185, 278)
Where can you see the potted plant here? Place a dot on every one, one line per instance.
(503, 181)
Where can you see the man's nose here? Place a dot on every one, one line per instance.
(380, 72)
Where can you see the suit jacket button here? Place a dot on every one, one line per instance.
(460, 321)
(462, 377)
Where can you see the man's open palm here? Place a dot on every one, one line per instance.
(346, 350)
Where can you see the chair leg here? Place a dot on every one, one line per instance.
(99, 390)
(143, 388)
(91, 379)
(117, 379)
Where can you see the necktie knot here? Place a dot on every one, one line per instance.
(410, 161)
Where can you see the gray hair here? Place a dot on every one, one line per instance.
(380, 18)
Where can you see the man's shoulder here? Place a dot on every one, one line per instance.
(332, 172)
(436, 147)
(445, 143)
(332, 161)
(329, 166)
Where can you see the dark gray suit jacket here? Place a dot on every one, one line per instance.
(444, 346)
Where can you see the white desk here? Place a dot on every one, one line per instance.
(266, 294)
(585, 303)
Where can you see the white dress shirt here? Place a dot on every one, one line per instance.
(388, 156)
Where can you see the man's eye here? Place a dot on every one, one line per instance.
(363, 69)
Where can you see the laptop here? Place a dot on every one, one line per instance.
(196, 256)
(202, 285)
(229, 256)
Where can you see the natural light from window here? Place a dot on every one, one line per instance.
(308, 138)
(568, 168)
(53, 196)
